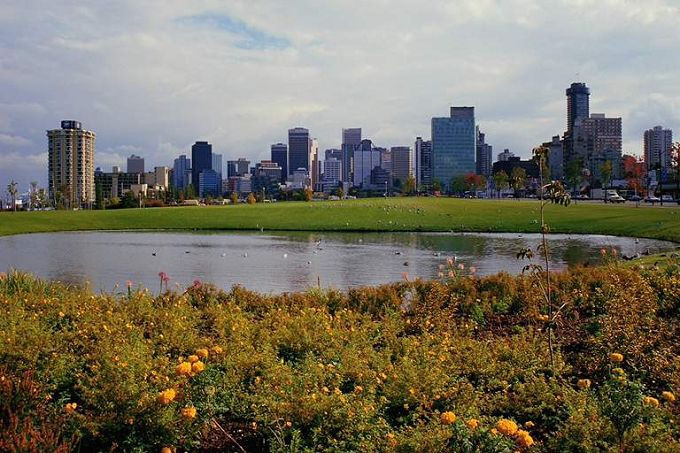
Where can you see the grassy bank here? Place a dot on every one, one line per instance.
(458, 364)
(395, 214)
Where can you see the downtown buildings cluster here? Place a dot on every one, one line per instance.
(456, 148)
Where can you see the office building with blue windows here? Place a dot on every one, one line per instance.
(201, 159)
(180, 170)
(453, 145)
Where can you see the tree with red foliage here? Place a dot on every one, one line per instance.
(634, 170)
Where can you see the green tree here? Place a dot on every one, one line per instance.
(675, 165)
(251, 198)
(98, 196)
(437, 185)
(234, 198)
(190, 193)
(410, 185)
(501, 181)
(340, 192)
(606, 172)
(518, 179)
(458, 184)
(574, 173)
(129, 200)
(12, 191)
(33, 196)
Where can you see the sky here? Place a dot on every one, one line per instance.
(152, 77)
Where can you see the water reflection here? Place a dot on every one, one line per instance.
(277, 262)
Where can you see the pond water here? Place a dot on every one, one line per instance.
(285, 261)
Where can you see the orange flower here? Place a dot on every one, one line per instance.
(668, 396)
(584, 384)
(202, 353)
(183, 369)
(448, 418)
(70, 408)
(167, 396)
(507, 427)
(189, 413)
(650, 401)
(197, 367)
(216, 350)
(166, 450)
(193, 358)
(524, 439)
(616, 357)
(473, 423)
(529, 424)
(618, 371)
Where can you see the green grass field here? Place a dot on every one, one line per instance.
(394, 214)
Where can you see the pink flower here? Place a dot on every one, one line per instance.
(603, 252)
(614, 252)
(404, 275)
(128, 283)
(452, 274)
(473, 269)
(197, 284)
(449, 261)
(461, 266)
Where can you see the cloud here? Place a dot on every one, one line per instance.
(14, 141)
(159, 75)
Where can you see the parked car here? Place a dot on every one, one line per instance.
(613, 197)
(667, 198)
(652, 199)
(635, 198)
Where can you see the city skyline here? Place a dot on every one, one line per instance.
(262, 79)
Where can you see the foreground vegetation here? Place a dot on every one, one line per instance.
(457, 364)
(393, 214)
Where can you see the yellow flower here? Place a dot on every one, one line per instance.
(524, 439)
(668, 396)
(167, 396)
(358, 389)
(70, 408)
(507, 427)
(202, 353)
(616, 357)
(197, 367)
(183, 369)
(529, 424)
(650, 401)
(473, 423)
(193, 358)
(189, 412)
(216, 350)
(618, 371)
(448, 418)
(584, 384)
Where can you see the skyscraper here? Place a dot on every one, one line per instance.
(658, 143)
(402, 165)
(484, 155)
(298, 149)
(366, 158)
(578, 109)
(217, 166)
(555, 158)
(180, 168)
(597, 140)
(279, 155)
(135, 164)
(201, 159)
(453, 145)
(351, 138)
(314, 162)
(71, 164)
(423, 150)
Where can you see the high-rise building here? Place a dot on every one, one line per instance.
(115, 184)
(484, 155)
(201, 159)
(279, 154)
(423, 151)
(333, 153)
(298, 149)
(578, 108)
(658, 144)
(351, 139)
(505, 156)
(366, 158)
(597, 140)
(314, 162)
(555, 158)
(402, 165)
(181, 166)
(135, 164)
(162, 177)
(217, 166)
(240, 167)
(71, 164)
(453, 144)
(209, 183)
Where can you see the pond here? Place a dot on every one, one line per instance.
(286, 261)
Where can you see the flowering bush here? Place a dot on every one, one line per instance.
(455, 364)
